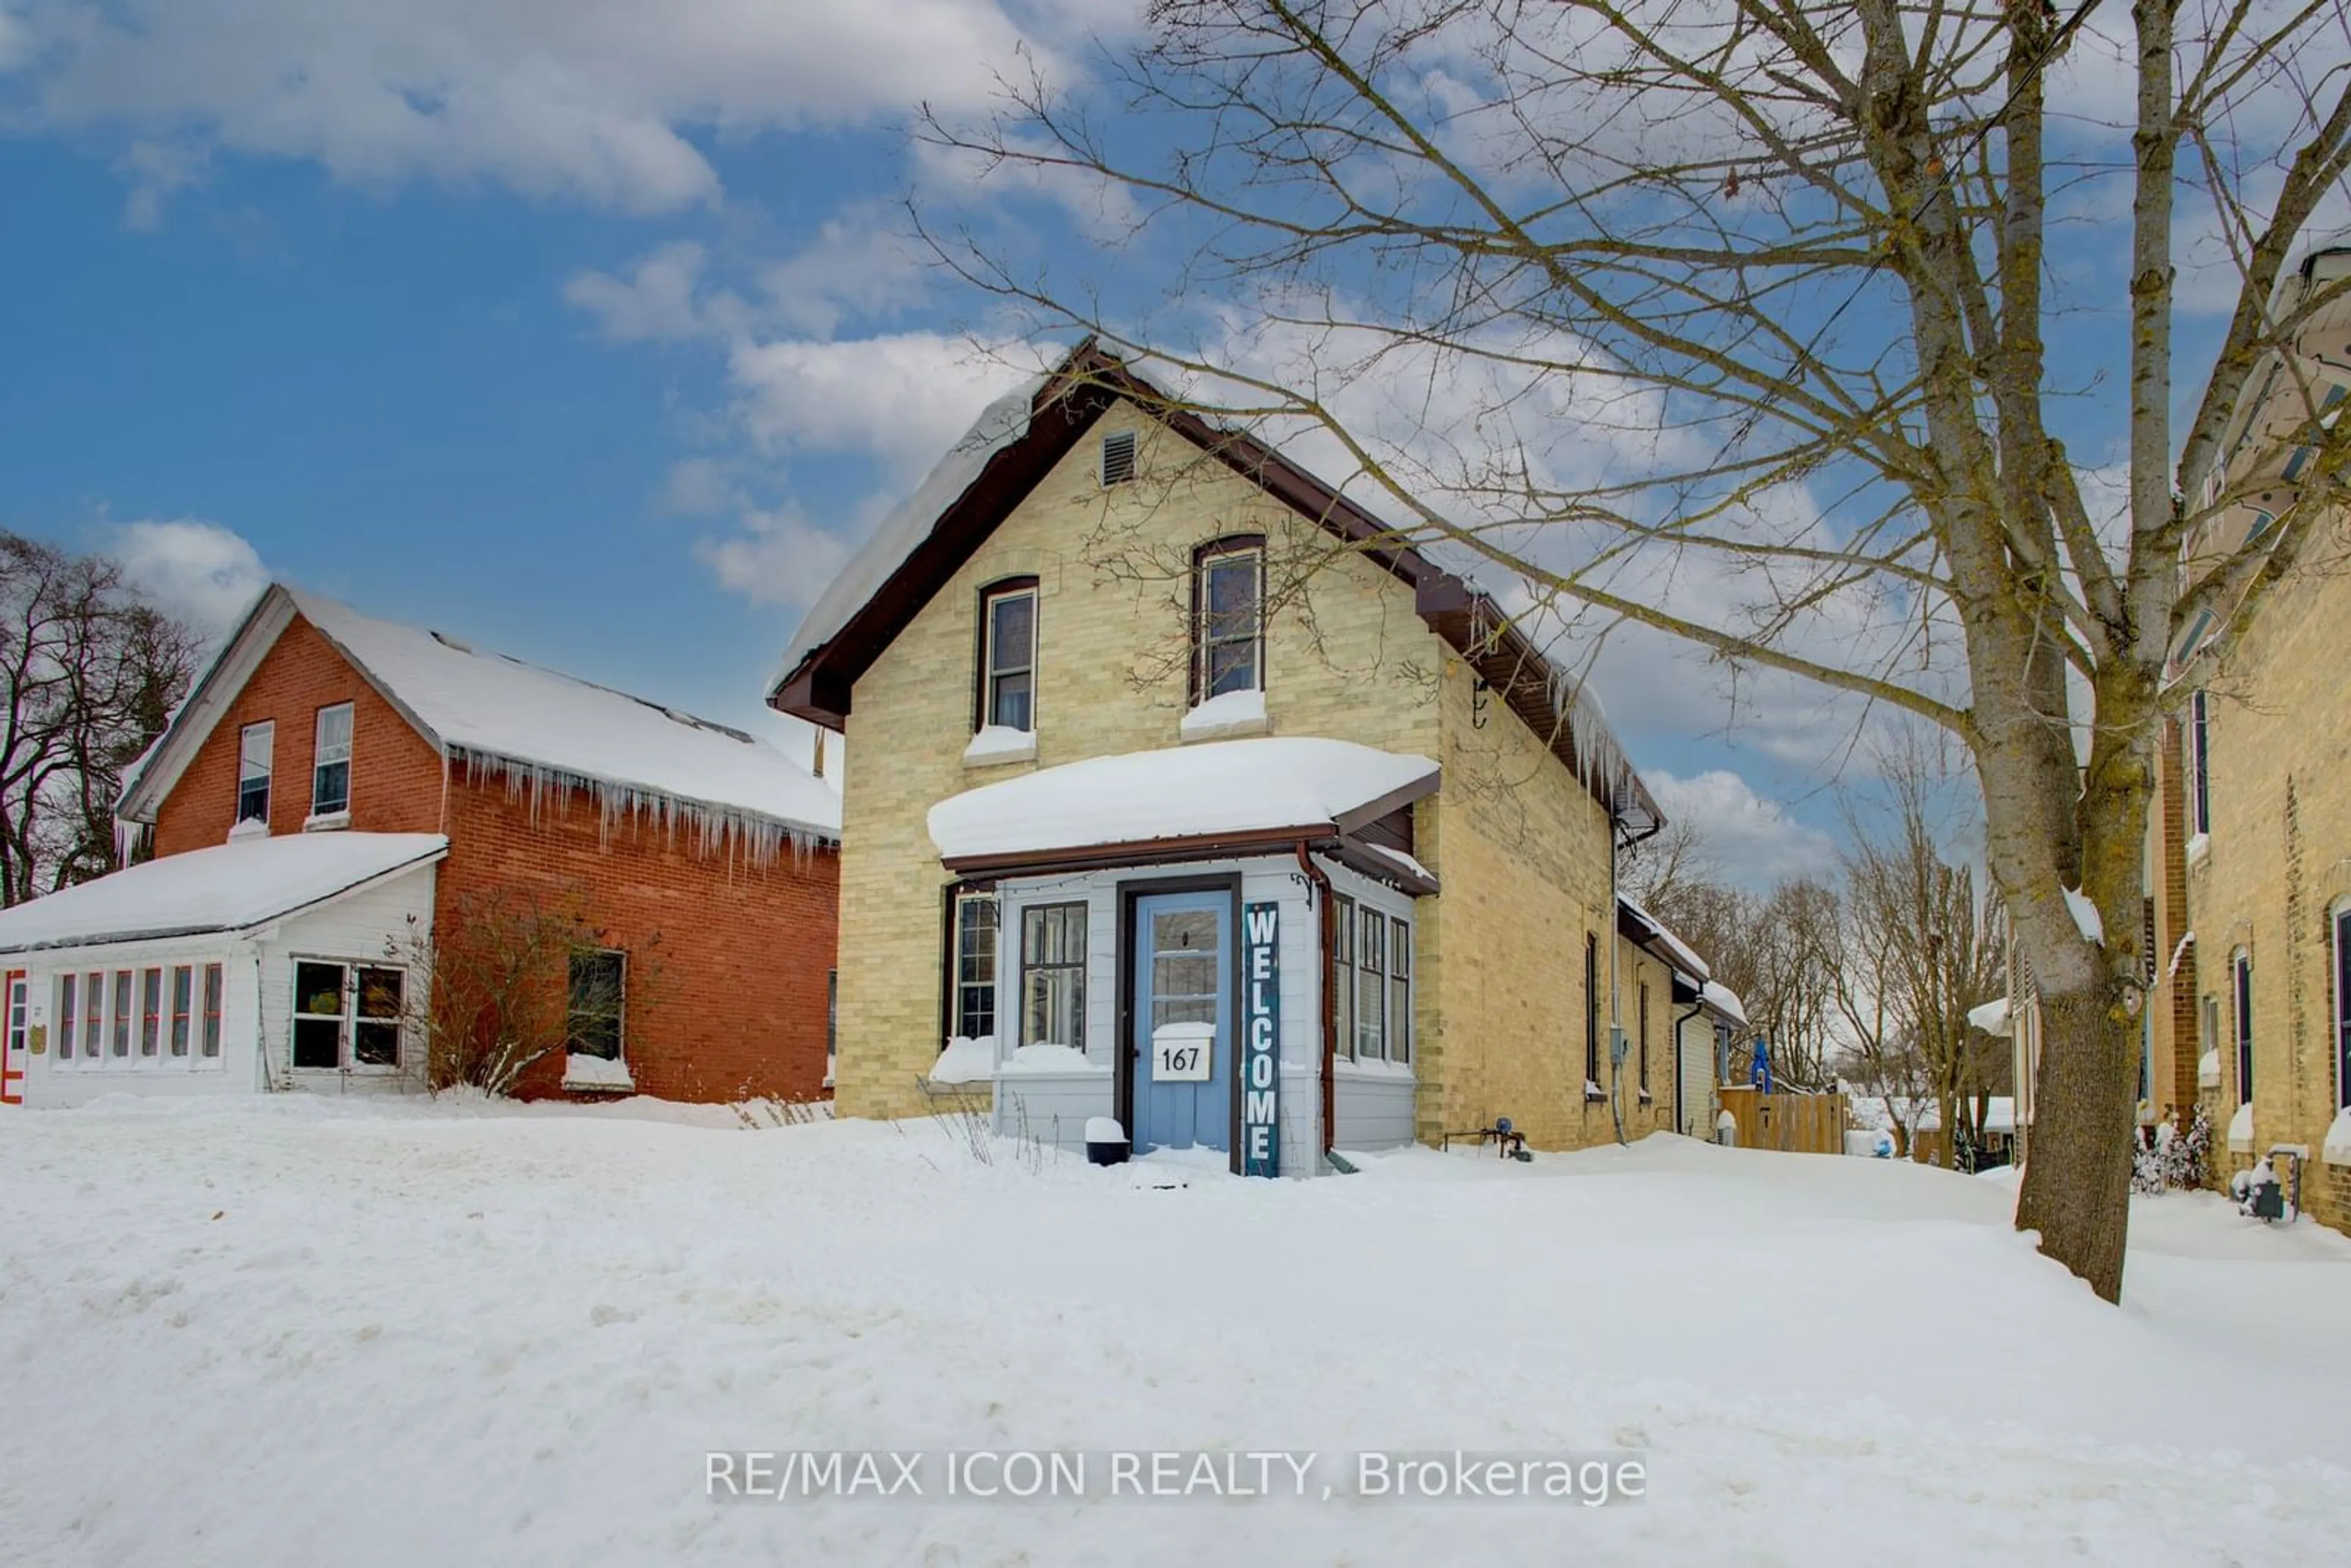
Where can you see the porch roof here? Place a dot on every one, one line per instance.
(232, 886)
(1229, 796)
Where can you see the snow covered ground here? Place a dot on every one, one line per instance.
(297, 1330)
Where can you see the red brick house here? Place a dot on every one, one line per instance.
(367, 776)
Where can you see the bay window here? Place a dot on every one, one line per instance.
(1053, 975)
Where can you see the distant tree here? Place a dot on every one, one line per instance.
(90, 673)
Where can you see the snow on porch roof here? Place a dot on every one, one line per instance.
(230, 887)
(1219, 790)
(498, 709)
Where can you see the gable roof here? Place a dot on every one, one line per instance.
(1014, 443)
(234, 887)
(540, 730)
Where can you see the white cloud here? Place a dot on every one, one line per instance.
(775, 558)
(901, 398)
(587, 101)
(201, 572)
(657, 301)
(156, 171)
(860, 264)
(1753, 841)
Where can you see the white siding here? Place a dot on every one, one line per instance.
(1695, 1115)
(1371, 1111)
(256, 1002)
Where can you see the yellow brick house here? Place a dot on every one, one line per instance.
(1182, 792)
(2250, 853)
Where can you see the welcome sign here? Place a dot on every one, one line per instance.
(1260, 1054)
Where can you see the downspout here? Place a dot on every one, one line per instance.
(1615, 1001)
(1696, 1008)
(1326, 988)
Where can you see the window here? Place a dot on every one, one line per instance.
(1342, 979)
(2200, 745)
(183, 988)
(209, 1043)
(376, 1016)
(255, 747)
(1645, 1040)
(68, 1015)
(1228, 618)
(832, 1021)
(1117, 457)
(973, 967)
(93, 1016)
(1008, 655)
(319, 1004)
(1053, 975)
(2262, 521)
(1372, 987)
(330, 766)
(600, 983)
(122, 1041)
(1590, 1011)
(2342, 1006)
(1399, 990)
(150, 1011)
(2241, 970)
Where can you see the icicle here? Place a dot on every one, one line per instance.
(130, 840)
(717, 832)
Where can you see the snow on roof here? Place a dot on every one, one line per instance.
(229, 888)
(1188, 791)
(1684, 957)
(545, 730)
(1991, 1018)
(1000, 425)
(1724, 1000)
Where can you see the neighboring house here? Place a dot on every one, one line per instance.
(339, 787)
(1183, 794)
(2250, 837)
(1707, 1020)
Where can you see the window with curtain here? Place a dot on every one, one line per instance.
(256, 747)
(1053, 975)
(330, 767)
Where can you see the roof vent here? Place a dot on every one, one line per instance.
(1117, 457)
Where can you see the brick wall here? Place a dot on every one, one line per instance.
(729, 962)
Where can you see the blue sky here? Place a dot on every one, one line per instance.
(585, 328)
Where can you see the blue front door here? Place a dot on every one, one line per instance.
(1182, 1061)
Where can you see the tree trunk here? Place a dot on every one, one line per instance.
(2076, 1189)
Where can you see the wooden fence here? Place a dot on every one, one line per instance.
(1798, 1123)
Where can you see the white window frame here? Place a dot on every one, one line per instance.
(1342, 973)
(956, 1017)
(266, 730)
(1400, 994)
(324, 755)
(1212, 555)
(989, 599)
(1033, 969)
(347, 1043)
(134, 1020)
(1371, 965)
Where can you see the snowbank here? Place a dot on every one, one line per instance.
(538, 1322)
(1187, 791)
(248, 881)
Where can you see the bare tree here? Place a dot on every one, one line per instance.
(1926, 947)
(1617, 296)
(88, 676)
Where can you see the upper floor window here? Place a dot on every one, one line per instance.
(255, 749)
(1008, 654)
(1117, 457)
(2199, 786)
(1228, 618)
(330, 767)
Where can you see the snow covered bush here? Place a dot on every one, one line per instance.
(2164, 1158)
